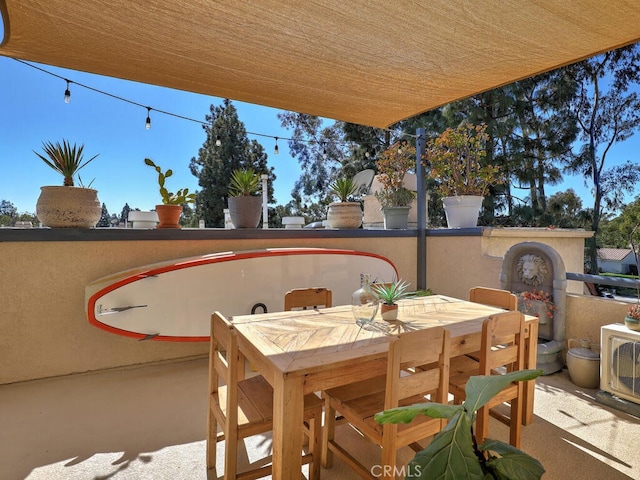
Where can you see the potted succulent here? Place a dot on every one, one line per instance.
(389, 294)
(171, 208)
(395, 199)
(245, 204)
(454, 452)
(67, 206)
(456, 159)
(345, 213)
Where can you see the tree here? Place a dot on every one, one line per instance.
(215, 163)
(607, 113)
(105, 218)
(615, 232)
(124, 215)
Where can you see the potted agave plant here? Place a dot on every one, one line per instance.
(457, 161)
(245, 204)
(389, 294)
(67, 206)
(345, 213)
(171, 208)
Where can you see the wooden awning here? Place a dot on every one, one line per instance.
(362, 61)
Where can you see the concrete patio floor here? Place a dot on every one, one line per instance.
(149, 422)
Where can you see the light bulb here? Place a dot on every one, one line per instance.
(147, 124)
(67, 94)
(275, 150)
(218, 141)
(324, 153)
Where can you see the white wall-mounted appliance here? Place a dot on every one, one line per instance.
(620, 373)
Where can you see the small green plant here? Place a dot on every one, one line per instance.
(244, 183)
(454, 453)
(391, 292)
(343, 188)
(169, 198)
(64, 159)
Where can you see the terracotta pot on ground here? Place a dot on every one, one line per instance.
(168, 216)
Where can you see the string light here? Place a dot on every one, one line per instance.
(67, 99)
(275, 150)
(67, 93)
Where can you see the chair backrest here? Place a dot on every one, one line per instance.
(502, 344)
(304, 298)
(494, 297)
(428, 349)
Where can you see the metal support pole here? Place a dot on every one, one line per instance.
(422, 210)
(265, 201)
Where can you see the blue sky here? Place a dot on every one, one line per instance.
(33, 111)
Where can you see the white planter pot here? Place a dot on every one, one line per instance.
(140, 219)
(462, 211)
(344, 215)
(293, 222)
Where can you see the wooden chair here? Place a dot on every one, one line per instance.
(304, 298)
(494, 297)
(402, 385)
(244, 407)
(502, 349)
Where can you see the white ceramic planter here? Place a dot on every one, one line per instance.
(344, 215)
(462, 211)
(293, 222)
(147, 219)
(68, 207)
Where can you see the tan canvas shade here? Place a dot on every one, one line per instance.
(363, 61)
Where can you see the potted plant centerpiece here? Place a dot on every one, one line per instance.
(389, 294)
(345, 213)
(395, 199)
(171, 208)
(245, 204)
(67, 206)
(456, 159)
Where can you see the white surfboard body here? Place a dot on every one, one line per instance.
(174, 300)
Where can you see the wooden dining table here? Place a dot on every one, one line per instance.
(313, 350)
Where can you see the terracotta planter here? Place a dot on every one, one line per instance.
(245, 211)
(68, 207)
(389, 312)
(344, 215)
(169, 216)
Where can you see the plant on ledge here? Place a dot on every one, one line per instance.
(169, 198)
(456, 159)
(454, 453)
(392, 165)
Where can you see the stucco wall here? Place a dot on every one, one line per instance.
(44, 327)
(42, 319)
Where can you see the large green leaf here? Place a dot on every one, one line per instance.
(407, 414)
(450, 455)
(480, 389)
(513, 464)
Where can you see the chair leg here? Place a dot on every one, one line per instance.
(515, 424)
(230, 453)
(328, 434)
(315, 448)
(482, 424)
(212, 441)
(389, 451)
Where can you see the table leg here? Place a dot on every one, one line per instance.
(530, 386)
(288, 411)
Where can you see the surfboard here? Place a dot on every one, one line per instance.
(174, 300)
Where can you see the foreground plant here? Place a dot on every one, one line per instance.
(390, 293)
(453, 453)
(64, 159)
